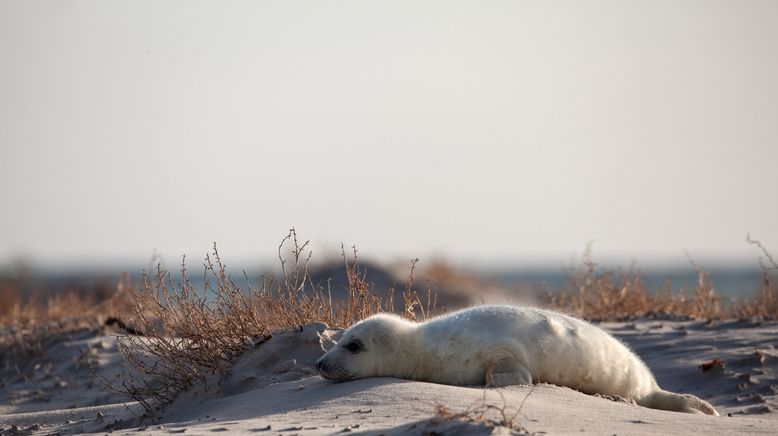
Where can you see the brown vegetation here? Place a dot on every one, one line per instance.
(30, 319)
(765, 303)
(485, 413)
(600, 294)
(189, 335)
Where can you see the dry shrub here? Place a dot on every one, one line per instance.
(482, 412)
(32, 317)
(598, 294)
(21, 308)
(296, 300)
(415, 308)
(765, 303)
(602, 295)
(182, 336)
(188, 335)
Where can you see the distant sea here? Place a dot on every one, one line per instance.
(729, 282)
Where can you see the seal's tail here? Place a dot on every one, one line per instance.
(664, 400)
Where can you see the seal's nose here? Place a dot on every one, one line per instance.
(318, 364)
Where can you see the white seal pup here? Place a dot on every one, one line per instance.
(500, 346)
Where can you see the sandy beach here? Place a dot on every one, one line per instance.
(274, 389)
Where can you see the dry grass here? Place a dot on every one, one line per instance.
(31, 318)
(23, 305)
(485, 413)
(189, 335)
(600, 294)
(765, 303)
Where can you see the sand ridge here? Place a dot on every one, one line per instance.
(274, 389)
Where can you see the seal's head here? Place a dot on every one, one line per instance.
(369, 348)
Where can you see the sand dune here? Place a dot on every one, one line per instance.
(274, 389)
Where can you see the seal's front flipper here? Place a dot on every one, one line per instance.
(508, 374)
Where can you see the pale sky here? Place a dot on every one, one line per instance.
(479, 131)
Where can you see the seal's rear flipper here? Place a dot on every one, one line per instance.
(665, 400)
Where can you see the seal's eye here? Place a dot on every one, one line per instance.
(354, 346)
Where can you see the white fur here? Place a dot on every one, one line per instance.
(501, 345)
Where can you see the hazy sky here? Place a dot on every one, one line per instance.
(479, 130)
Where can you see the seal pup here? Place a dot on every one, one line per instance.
(500, 346)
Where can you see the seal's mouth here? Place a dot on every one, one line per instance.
(337, 378)
(333, 370)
